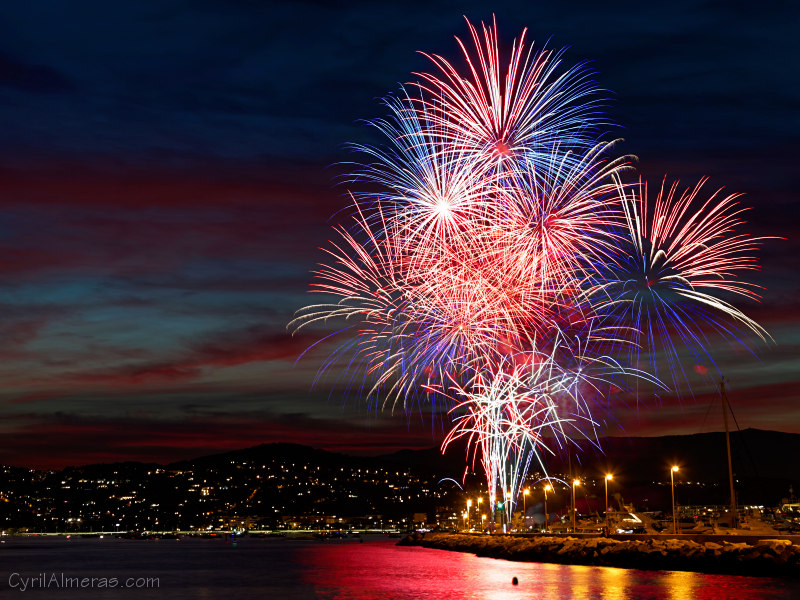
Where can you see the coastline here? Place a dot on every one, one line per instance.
(765, 557)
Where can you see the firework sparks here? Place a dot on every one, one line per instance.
(680, 252)
(501, 110)
(497, 263)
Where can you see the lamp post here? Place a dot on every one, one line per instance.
(672, 472)
(493, 506)
(483, 527)
(525, 493)
(609, 477)
(469, 505)
(546, 489)
(575, 483)
(507, 511)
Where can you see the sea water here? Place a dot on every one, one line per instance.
(258, 568)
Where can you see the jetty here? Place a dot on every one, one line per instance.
(741, 555)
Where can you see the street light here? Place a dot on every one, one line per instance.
(507, 510)
(609, 477)
(575, 483)
(672, 472)
(547, 488)
(469, 505)
(483, 527)
(525, 493)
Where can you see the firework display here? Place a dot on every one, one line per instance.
(498, 269)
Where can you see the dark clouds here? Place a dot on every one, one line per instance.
(165, 178)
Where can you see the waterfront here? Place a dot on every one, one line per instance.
(375, 569)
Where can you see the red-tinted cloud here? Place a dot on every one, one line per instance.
(84, 440)
(231, 349)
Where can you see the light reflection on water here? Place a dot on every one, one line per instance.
(374, 570)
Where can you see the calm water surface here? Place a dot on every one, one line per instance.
(375, 569)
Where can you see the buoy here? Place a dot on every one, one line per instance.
(515, 581)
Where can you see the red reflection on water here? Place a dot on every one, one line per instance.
(384, 571)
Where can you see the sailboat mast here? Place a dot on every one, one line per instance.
(734, 515)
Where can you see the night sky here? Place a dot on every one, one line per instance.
(167, 175)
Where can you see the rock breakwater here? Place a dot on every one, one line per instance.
(764, 557)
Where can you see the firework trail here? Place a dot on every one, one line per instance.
(496, 267)
(515, 413)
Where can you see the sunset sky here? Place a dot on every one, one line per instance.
(167, 176)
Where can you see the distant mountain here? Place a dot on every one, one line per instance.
(268, 452)
(429, 460)
(764, 464)
(702, 456)
(756, 454)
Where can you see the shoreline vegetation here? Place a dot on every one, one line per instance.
(772, 557)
